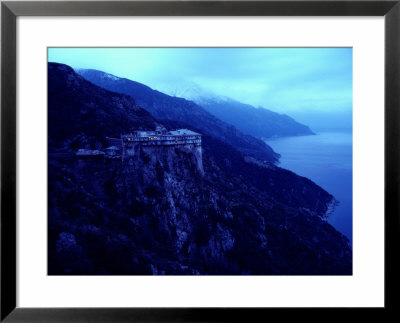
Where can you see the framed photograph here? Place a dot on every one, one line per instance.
(198, 160)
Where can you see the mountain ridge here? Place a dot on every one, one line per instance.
(256, 121)
(163, 106)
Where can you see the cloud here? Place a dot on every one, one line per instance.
(282, 79)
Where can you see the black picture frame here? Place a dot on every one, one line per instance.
(10, 10)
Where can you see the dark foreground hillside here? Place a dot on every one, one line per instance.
(159, 213)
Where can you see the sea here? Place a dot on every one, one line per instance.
(327, 159)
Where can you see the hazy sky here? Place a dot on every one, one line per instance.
(298, 81)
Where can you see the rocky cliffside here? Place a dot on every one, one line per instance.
(159, 213)
(168, 211)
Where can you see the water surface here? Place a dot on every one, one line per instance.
(326, 159)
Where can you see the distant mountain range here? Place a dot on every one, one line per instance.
(258, 122)
(163, 106)
(154, 213)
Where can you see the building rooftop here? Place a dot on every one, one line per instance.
(183, 132)
(178, 132)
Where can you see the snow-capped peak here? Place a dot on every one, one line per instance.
(194, 92)
(110, 76)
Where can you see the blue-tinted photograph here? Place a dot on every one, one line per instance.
(200, 161)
